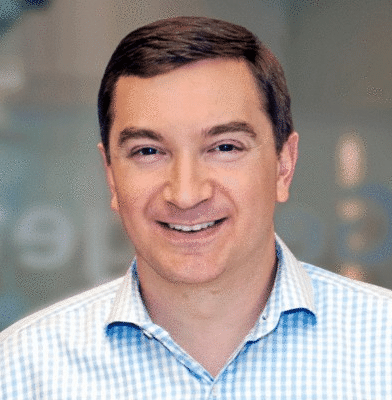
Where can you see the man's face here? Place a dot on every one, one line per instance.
(194, 174)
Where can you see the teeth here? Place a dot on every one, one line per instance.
(187, 228)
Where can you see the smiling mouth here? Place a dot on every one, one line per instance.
(192, 228)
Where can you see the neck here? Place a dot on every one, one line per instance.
(200, 316)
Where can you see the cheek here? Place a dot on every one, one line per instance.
(138, 198)
(253, 186)
(132, 192)
(256, 198)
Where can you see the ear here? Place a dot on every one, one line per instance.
(287, 160)
(109, 178)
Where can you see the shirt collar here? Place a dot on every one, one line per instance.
(128, 306)
(296, 290)
(292, 290)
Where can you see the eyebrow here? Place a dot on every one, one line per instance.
(136, 133)
(234, 126)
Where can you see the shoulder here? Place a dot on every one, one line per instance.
(52, 341)
(346, 301)
(328, 280)
(68, 314)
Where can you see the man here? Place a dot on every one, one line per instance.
(198, 145)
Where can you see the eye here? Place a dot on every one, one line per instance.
(146, 154)
(226, 147)
(227, 150)
(146, 151)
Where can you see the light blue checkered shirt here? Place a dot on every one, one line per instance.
(321, 336)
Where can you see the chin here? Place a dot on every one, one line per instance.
(190, 272)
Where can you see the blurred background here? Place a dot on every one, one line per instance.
(58, 235)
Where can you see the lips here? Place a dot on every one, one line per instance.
(191, 228)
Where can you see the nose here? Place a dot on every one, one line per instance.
(188, 183)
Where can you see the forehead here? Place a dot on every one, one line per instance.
(190, 94)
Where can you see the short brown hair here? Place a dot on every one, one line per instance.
(169, 44)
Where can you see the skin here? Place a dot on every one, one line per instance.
(194, 146)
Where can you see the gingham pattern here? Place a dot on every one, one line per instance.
(320, 336)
